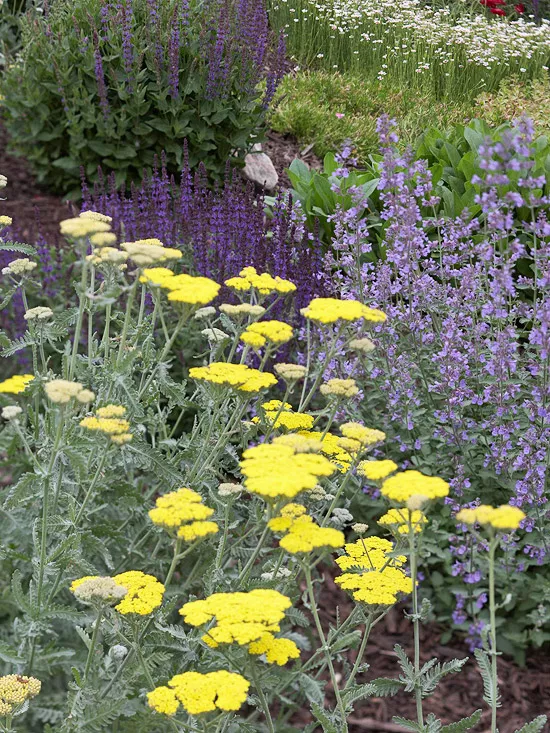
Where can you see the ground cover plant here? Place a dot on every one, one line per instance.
(115, 85)
(454, 56)
(169, 575)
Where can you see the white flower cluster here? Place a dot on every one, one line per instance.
(418, 38)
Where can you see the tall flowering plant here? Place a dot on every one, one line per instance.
(461, 363)
(112, 84)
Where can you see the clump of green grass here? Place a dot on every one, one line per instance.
(313, 101)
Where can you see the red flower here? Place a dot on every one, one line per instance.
(491, 3)
(497, 11)
(519, 8)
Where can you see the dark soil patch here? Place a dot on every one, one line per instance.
(525, 690)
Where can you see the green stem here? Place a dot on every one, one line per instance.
(92, 485)
(416, 624)
(80, 318)
(360, 653)
(243, 577)
(163, 354)
(127, 317)
(106, 337)
(93, 642)
(263, 700)
(493, 633)
(91, 317)
(325, 647)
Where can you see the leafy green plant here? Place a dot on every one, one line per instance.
(98, 84)
(515, 99)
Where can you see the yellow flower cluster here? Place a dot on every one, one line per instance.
(280, 415)
(240, 618)
(238, 376)
(399, 520)
(182, 288)
(331, 310)
(262, 332)
(84, 226)
(61, 392)
(402, 486)
(276, 469)
(16, 384)
(376, 470)
(242, 309)
(302, 534)
(183, 510)
(378, 578)
(5, 221)
(344, 388)
(363, 435)
(19, 267)
(331, 448)
(100, 588)
(143, 594)
(504, 517)
(110, 420)
(290, 372)
(200, 693)
(149, 251)
(15, 689)
(264, 283)
(277, 651)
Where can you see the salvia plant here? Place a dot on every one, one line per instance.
(113, 83)
(459, 373)
(166, 539)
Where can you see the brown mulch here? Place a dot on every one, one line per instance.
(525, 690)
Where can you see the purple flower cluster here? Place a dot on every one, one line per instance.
(462, 366)
(221, 230)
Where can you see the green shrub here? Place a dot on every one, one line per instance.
(115, 85)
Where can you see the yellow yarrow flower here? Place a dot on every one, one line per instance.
(5, 221)
(505, 517)
(399, 519)
(377, 579)
(149, 252)
(96, 216)
(344, 388)
(262, 332)
(143, 594)
(280, 415)
(110, 411)
(365, 436)
(200, 693)
(376, 470)
(264, 283)
(401, 486)
(240, 618)
(192, 290)
(156, 276)
(304, 535)
(80, 227)
(273, 470)
(197, 530)
(62, 391)
(15, 690)
(237, 376)
(183, 510)
(331, 448)
(16, 384)
(331, 310)
(277, 651)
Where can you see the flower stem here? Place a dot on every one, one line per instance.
(493, 633)
(416, 624)
(326, 648)
(93, 642)
(263, 700)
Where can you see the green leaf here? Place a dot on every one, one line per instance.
(534, 726)
(24, 249)
(8, 654)
(386, 687)
(464, 724)
(312, 689)
(327, 724)
(408, 724)
(358, 692)
(491, 693)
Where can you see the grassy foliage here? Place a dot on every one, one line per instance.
(311, 101)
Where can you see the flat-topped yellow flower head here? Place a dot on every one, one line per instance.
(332, 310)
